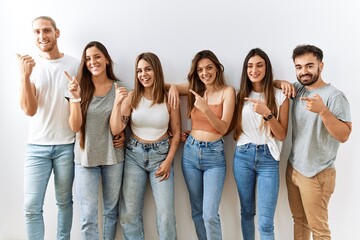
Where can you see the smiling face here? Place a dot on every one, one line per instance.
(308, 69)
(96, 61)
(45, 35)
(256, 69)
(145, 73)
(206, 71)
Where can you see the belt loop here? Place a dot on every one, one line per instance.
(206, 144)
(192, 141)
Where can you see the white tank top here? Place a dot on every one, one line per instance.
(150, 122)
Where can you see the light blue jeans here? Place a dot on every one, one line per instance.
(256, 173)
(40, 161)
(204, 169)
(141, 161)
(87, 180)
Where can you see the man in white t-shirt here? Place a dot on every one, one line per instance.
(51, 141)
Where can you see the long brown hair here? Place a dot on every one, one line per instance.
(246, 88)
(86, 84)
(159, 90)
(193, 78)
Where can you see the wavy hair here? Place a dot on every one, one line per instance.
(159, 90)
(86, 84)
(246, 88)
(194, 80)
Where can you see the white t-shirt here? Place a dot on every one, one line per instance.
(253, 132)
(50, 124)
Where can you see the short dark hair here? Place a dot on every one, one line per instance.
(304, 49)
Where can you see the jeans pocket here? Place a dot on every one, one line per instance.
(163, 148)
(242, 148)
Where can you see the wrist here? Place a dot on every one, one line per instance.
(75, 100)
(268, 116)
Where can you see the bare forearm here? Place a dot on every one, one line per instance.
(116, 121)
(277, 129)
(28, 101)
(75, 118)
(220, 125)
(174, 145)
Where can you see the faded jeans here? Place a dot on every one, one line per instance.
(87, 181)
(40, 161)
(204, 169)
(141, 162)
(256, 174)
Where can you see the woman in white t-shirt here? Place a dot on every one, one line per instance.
(149, 151)
(261, 121)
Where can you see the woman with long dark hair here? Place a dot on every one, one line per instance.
(96, 158)
(261, 121)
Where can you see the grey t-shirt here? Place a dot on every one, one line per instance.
(98, 148)
(314, 149)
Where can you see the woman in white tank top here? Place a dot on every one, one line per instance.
(150, 150)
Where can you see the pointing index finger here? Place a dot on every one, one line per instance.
(193, 92)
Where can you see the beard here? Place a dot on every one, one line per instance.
(47, 48)
(313, 78)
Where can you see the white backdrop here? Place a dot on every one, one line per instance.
(175, 31)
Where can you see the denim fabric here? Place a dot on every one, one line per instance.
(87, 180)
(256, 173)
(40, 161)
(204, 169)
(141, 161)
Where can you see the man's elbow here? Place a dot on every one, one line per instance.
(343, 139)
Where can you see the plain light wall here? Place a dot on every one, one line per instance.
(175, 31)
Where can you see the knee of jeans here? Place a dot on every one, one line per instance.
(266, 225)
(211, 218)
(32, 207)
(248, 213)
(64, 200)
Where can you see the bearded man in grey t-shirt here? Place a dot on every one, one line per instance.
(321, 121)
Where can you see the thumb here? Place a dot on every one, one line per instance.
(116, 86)
(18, 55)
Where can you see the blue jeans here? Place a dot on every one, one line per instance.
(87, 180)
(204, 169)
(40, 161)
(256, 173)
(141, 161)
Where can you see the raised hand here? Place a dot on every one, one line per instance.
(200, 102)
(314, 104)
(120, 94)
(259, 106)
(288, 89)
(26, 64)
(73, 85)
(173, 97)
